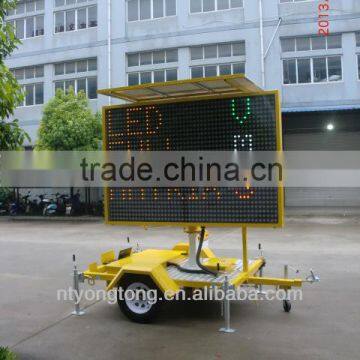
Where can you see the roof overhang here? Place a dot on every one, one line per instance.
(184, 88)
(304, 109)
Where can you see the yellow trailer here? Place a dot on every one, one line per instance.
(234, 114)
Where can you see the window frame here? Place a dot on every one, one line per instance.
(310, 37)
(24, 68)
(75, 61)
(77, 3)
(294, 1)
(76, 79)
(152, 71)
(218, 45)
(76, 75)
(25, 20)
(357, 39)
(152, 63)
(312, 82)
(152, 18)
(216, 8)
(27, 13)
(33, 84)
(203, 66)
(76, 9)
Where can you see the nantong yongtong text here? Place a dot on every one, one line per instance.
(204, 294)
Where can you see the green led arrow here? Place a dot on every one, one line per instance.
(247, 114)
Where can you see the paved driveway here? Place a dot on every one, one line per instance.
(35, 261)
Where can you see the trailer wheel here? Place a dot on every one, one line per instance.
(139, 298)
(287, 305)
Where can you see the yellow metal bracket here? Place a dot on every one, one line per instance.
(281, 282)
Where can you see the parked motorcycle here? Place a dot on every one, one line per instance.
(57, 206)
(73, 205)
(3, 208)
(20, 206)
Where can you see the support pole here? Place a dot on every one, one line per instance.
(193, 245)
(76, 288)
(260, 291)
(261, 272)
(109, 60)
(193, 234)
(262, 57)
(226, 301)
(245, 251)
(286, 276)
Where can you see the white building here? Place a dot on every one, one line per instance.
(92, 44)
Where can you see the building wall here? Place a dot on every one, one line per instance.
(187, 29)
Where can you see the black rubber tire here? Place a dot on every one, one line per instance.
(150, 315)
(287, 306)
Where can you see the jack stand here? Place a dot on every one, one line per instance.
(286, 275)
(76, 279)
(261, 273)
(260, 287)
(286, 302)
(226, 307)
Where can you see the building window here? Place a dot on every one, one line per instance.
(71, 74)
(153, 57)
(78, 66)
(34, 92)
(217, 59)
(152, 66)
(217, 70)
(30, 72)
(312, 70)
(216, 51)
(357, 36)
(75, 19)
(198, 6)
(58, 3)
(150, 9)
(88, 85)
(358, 66)
(293, 1)
(28, 27)
(308, 43)
(153, 76)
(27, 7)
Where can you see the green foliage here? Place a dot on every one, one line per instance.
(8, 40)
(10, 91)
(5, 194)
(12, 136)
(6, 354)
(69, 124)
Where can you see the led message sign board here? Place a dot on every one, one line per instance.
(225, 123)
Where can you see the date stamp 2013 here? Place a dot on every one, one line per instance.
(323, 18)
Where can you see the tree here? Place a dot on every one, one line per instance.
(69, 124)
(12, 136)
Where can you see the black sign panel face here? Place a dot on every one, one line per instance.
(239, 123)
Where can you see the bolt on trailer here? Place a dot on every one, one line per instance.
(226, 113)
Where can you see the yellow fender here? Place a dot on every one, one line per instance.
(157, 273)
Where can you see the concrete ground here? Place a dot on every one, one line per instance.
(35, 261)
